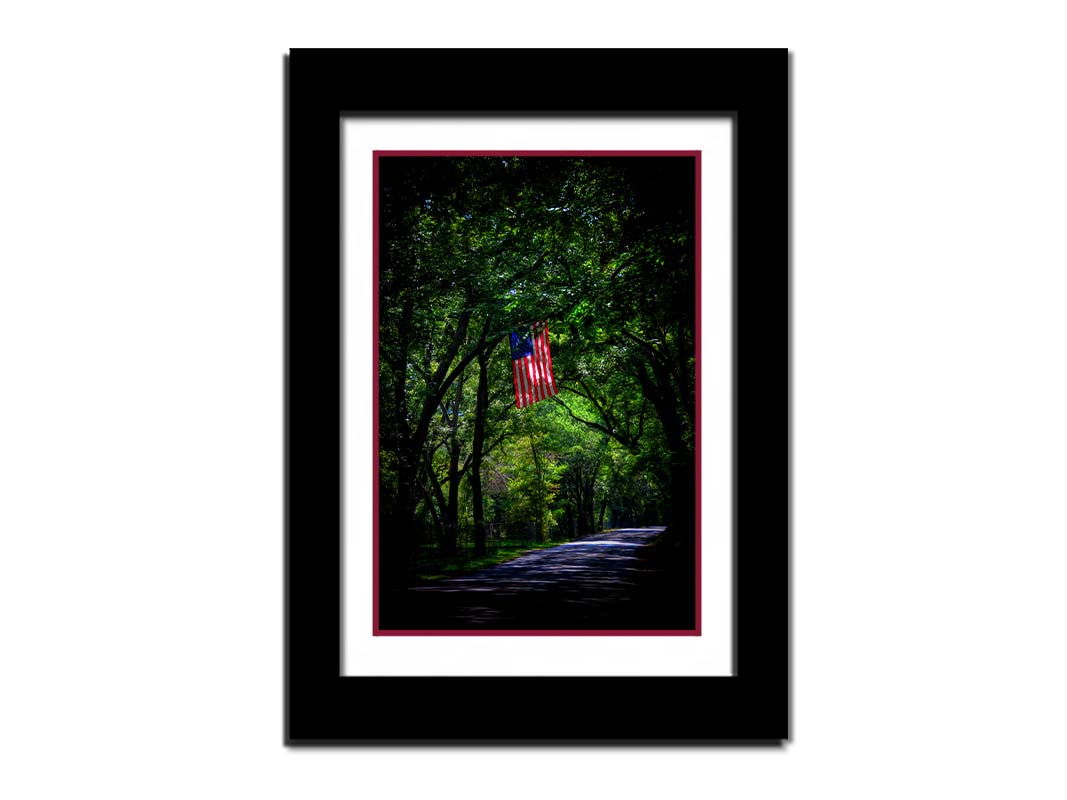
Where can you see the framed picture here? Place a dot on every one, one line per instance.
(536, 396)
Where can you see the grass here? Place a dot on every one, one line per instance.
(433, 567)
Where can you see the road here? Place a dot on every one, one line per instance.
(616, 580)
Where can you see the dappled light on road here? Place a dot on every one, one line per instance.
(598, 581)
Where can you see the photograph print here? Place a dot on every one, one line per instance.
(536, 393)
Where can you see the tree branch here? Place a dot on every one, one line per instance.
(594, 425)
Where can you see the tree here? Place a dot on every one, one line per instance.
(473, 248)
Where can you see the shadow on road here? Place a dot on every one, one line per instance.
(621, 580)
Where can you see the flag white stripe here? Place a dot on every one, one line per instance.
(532, 377)
(535, 366)
(527, 390)
(548, 359)
(515, 372)
(522, 383)
(539, 360)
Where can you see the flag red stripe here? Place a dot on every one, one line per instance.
(524, 379)
(548, 352)
(531, 373)
(531, 367)
(544, 360)
(535, 366)
(521, 385)
(541, 365)
(515, 370)
(526, 382)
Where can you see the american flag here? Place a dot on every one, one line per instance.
(531, 361)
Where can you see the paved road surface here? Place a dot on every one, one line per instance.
(610, 581)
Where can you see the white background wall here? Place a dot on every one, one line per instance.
(140, 402)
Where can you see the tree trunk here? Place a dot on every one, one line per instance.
(474, 477)
(396, 544)
(449, 543)
(437, 497)
(539, 499)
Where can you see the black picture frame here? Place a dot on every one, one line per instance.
(323, 87)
